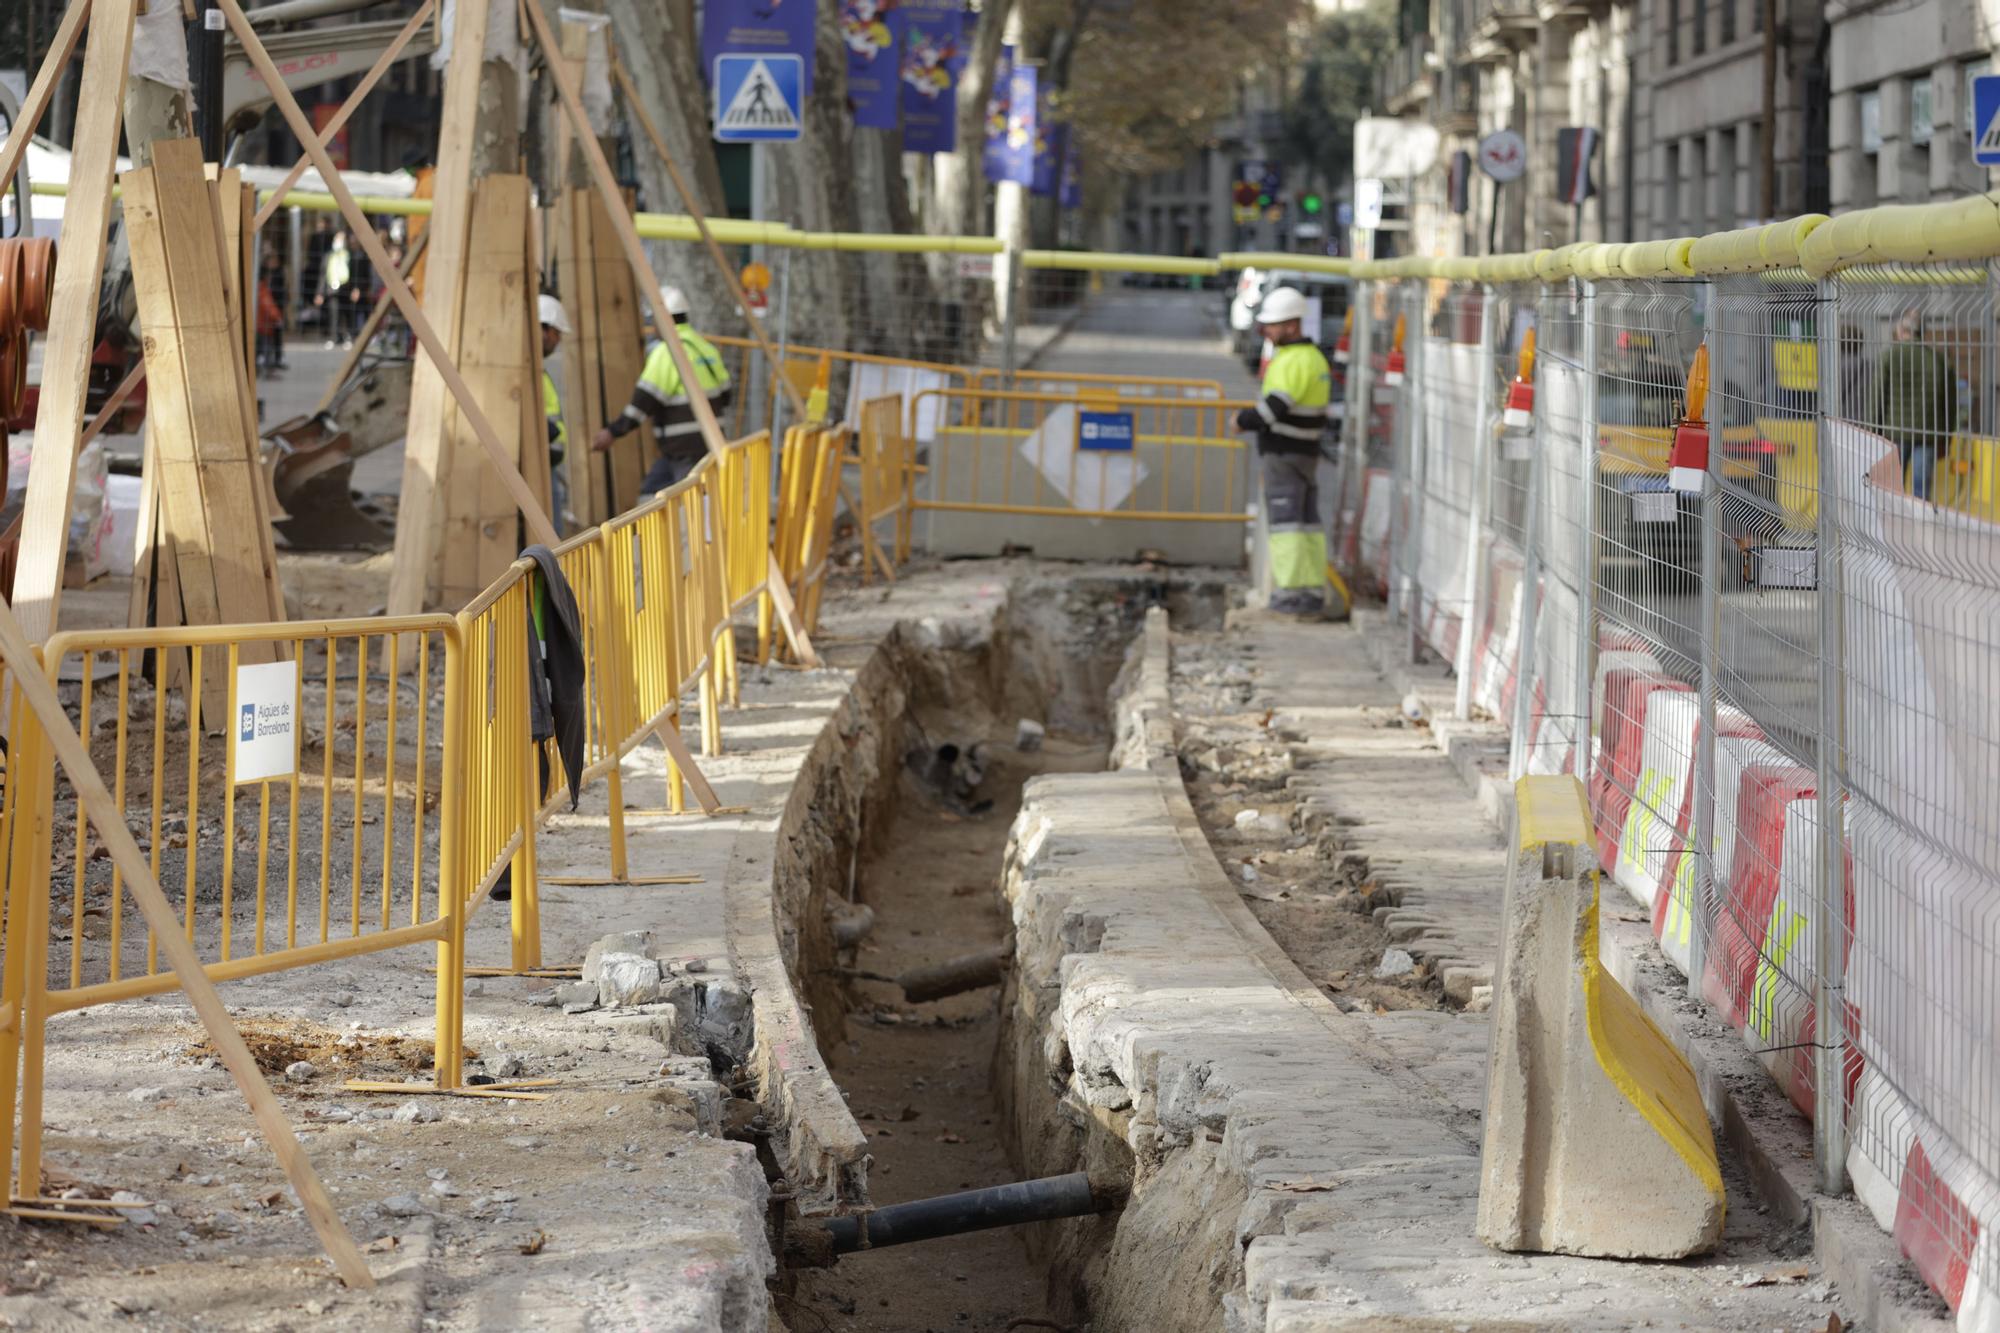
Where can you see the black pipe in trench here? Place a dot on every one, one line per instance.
(1042, 1200)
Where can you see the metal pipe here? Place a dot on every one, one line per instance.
(298, 11)
(1045, 1200)
(1482, 464)
(1587, 548)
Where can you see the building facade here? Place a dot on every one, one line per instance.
(1900, 83)
(1712, 113)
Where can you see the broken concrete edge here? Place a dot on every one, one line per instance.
(822, 1149)
(402, 1285)
(1774, 1149)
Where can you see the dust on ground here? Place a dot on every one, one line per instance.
(918, 1076)
(1234, 761)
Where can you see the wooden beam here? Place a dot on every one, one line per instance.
(427, 445)
(373, 325)
(73, 318)
(399, 291)
(476, 537)
(628, 235)
(347, 109)
(43, 90)
(693, 206)
(168, 930)
(199, 428)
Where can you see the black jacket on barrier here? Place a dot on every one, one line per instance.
(556, 698)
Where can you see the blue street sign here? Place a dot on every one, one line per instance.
(758, 98)
(1107, 431)
(1986, 120)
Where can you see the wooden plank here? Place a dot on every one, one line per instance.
(479, 537)
(201, 430)
(536, 465)
(43, 90)
(628, 234)
(621, 352)
(581, 401)
(180, 953)
(73, 318)
(427, 445)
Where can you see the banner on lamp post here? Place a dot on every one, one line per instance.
(873, 33)
(759, 27)
(932, 60)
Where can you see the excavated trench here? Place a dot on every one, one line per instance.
(897, 871)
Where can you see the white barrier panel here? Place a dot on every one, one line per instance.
(1923, 823)
(1498, 651)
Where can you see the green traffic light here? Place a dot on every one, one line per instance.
(1263, 201)
(1310, 203)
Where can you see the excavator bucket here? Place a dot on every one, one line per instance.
(310, 461)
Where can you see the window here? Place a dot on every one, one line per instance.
(1920, 110)
(1700, 42)
(1729, 19)
(1756, 15)
(1673, 32)
(1871, 121)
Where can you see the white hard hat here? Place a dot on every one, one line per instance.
(1281, 306)
(676, 300)
(549, 312)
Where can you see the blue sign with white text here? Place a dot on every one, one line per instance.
(1110, 432)
(1986, 120)
(758, 99)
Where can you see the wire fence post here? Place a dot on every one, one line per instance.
(1587, 539)
(784, 342)
(1398, 592)
(1417, 400)
(1702, 825)
(1829, 977)
(1481, 445)
(1011, 318)
(1358, 424)
(1521, 744)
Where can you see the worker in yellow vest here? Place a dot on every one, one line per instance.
(1290, 419)
(660, 399)
(554, 325)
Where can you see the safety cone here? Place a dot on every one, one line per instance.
(1392, 372)
(1688, 462)
(1519, 414)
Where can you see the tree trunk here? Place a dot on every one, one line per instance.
(656, 44)
(959, 185)
(813, 186)
(903, 313)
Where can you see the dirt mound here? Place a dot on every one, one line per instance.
(280, 1043)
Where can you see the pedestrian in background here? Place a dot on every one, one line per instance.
(1916, 401)
(336, 291)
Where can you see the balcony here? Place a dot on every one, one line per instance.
(1499, 28)
(1405, 82)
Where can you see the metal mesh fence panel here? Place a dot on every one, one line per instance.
(1815, 610)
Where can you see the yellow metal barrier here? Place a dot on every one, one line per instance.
(810, 480)
(888, 467)
(1066, 381)
(211, 785)
(805, 361)
(1027, 454)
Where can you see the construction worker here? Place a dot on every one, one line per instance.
(662, 400)
(1289, 421)
(554, 325)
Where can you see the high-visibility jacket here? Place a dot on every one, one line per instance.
(660, 397)
(552, 410)
(1292, 412)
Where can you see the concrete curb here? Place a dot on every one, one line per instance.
(1763, 1131)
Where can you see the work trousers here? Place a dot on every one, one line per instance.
(1292, 522)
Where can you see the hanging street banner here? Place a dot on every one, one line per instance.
(873, 32)
(933, 45)
(1051, 140)
(758, 99)
(993, 158)
(1010, 137)
(759, 27)
(1069, 184)
(1575, 146)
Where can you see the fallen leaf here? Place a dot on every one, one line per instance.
(534, 1243)
(1833, 1325)
(948, 1137)
(382, 1244)
(271, 1200)
(1772, 1277)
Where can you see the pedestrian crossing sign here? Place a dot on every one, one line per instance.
(1986, 120)
(758, 98)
